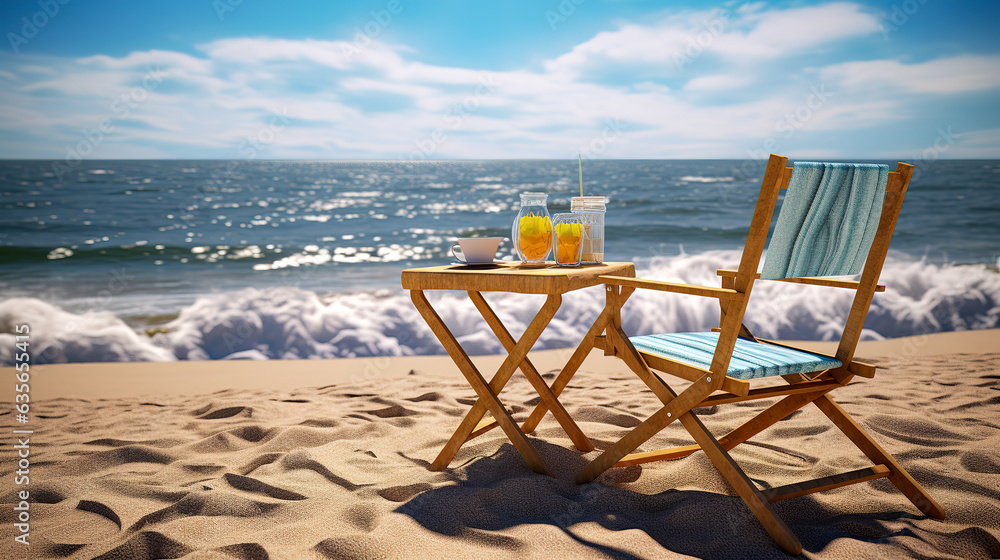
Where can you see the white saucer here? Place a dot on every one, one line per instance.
(484, 263)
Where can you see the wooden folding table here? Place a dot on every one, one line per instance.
(550, 281)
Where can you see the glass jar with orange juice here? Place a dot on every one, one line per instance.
(568, 234)
(532, 230)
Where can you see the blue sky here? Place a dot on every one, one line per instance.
(398, 79)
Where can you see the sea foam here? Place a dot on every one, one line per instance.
(57, 336)
(289, 323)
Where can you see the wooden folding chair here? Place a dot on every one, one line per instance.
(731, 356)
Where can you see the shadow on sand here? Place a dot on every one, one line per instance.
(492, 494)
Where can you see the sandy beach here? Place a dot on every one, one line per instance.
(327, 459)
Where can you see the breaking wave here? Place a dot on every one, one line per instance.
(288, 323)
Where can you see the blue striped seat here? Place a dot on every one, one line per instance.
(750, 359)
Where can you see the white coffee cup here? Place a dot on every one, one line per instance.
(476, 250)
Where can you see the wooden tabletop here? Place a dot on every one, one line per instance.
(512, 277)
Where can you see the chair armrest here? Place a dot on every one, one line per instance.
(815, 281)
(690, 289)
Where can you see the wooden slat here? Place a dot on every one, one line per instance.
(862, 369)
(829, 282)
(738, 387)
(611, 306)
(813, 280)
(658, 455)
(690, 289)
(767, 418)
(786, 178)
(826, 483)
(752, 427)
(876, 454)
(732, 322)
(484, 426)
(770, 392)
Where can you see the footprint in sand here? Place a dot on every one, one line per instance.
(41, 496)
(202, 469)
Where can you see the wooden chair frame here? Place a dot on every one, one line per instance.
(799, 392)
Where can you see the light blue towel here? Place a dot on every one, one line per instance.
(827, 221)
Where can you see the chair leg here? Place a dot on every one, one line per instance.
(674, 406)
(671, 411)
(899, 477)
(744, 487)
(742, 484)
(767, 418)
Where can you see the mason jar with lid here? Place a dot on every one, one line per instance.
(591, 210)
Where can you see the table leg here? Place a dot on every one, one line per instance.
(487, 393)
(574, 432)
(574, 363)
(568, 370)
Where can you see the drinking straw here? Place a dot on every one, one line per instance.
(581, 174)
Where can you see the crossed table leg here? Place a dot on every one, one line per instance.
(487, 392)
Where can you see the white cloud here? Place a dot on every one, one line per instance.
(733, 35)
(154, 58)
(244, 51)
(958, 74)
(794, 31)
(367, 84)
(211, 104)
(717, 82)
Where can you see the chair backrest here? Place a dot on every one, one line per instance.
(777, 176)
(827, 221)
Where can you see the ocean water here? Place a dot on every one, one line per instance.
(165, 260)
